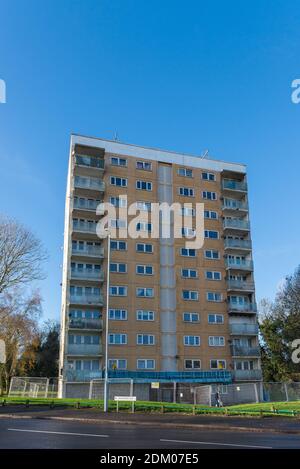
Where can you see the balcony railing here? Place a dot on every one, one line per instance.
(236, 224)
(84, 323)
(84, 226)
(234, 204)
(247, 375)
(86, 204)
(89, 161)
(89, 183)
(87, 299)
(87, 275)
(243, 329)
(89, 251)
(243, 265)
(242, 308)
(237, 243)
(83, 375)
(244, 351)
(234, 185)
(240, 285)
(84, 349)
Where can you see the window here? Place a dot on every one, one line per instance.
(84, 314)
(211, 254)
(117, 364)
(118, 314)
(192, 364)
(217, 364)
(118, 223)
(118, 201)
(115, 181)
(145, 339)
(185, 172)
(209, 195)
(145, 165)
(116, 161)
(191, 317)
(118, 291)
(118, 268)
(216, 341)
(211, 214)
(78, 339)
(244, 365)
(188, 252)
(117, 339)
(144, 226)
(144, 185)
(144, 269)
(145, 292)
(215, 319)
(187, 232)
(208, 177)
(211, 234)
(144, 206)
(118, 245)
(191, 340)
(189, 273)
(186, 191)
(144, 247)
(213, 296)
(143, 364)
(87, 365)
(190, 295)
(144, 315)
(188, 212)
(212, 275)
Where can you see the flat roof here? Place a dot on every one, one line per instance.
(155, 154)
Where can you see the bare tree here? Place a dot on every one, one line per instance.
(21, 255)
(19, 328)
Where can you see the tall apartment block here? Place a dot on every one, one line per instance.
(175, 314)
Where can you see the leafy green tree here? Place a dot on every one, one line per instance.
(279, 327)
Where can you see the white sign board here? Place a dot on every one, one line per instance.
(155, 385)
(2, 352)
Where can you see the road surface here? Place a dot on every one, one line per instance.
(54, 434)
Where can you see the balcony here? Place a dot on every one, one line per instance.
(82, 375)
(240, 244)
(89, 251)
(239, 285)
(243, 329)
(84, 349)
(234, 205)
(236, 224)
(234, 185)
(247, 375)
(89, 183)
(244, 351)
(94, 300)
(92, 275)
(84, 227)
(89, 161)
(86, 204)
(241, 265)
(86, 324)
(242, 308)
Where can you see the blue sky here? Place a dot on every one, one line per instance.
(183, 76)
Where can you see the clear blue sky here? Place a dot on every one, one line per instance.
(180, 75)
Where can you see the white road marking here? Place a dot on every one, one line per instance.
(219, 444)
(56, 433)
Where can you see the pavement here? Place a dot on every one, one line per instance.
(35, 433)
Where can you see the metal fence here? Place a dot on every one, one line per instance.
(33, 387)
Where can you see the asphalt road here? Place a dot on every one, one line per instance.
(48, 434)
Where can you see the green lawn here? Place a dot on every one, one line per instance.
(275, 408)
